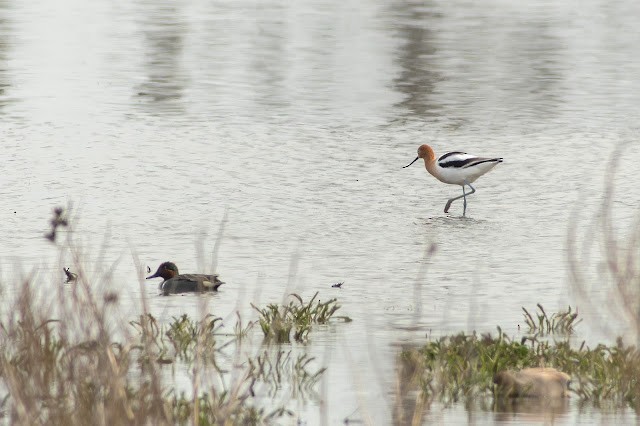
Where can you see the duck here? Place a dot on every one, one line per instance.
(536, 382)
(174, 282)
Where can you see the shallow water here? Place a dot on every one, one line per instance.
(279, 130)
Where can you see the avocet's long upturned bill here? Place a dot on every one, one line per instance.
(456, 168)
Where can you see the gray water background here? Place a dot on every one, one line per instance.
(279, 130)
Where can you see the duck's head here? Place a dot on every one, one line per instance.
(166, 270)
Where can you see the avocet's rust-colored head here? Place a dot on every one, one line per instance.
(424, 151)
(166, 270)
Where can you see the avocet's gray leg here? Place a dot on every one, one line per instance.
(464, 208)
(464, 212)
(464, 195)
(451, 200)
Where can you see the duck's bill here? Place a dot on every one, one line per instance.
(411, 163)
(153, 276)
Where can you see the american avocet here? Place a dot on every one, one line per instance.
(456, 168)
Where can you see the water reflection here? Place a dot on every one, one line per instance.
(456, 63)
(533, 74)
(417, 77)
(163, 29)
(269, 62)
(538, 410)
(4, 47)
(408, 406)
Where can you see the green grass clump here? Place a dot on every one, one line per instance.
(280, 322)
(560, 322)
(604, 373)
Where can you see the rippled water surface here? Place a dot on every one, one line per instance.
(278, 130)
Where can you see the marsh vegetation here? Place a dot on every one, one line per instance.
(74, 359)
(80, 369)
(71, 358)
